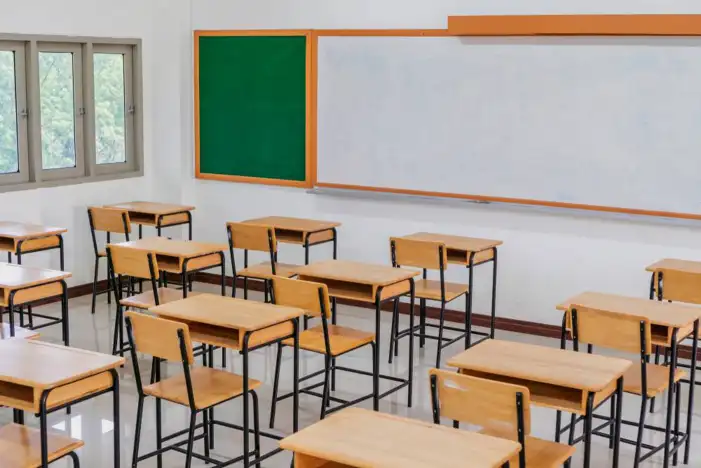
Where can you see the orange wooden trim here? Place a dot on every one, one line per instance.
(384, 32)
(518, 201)
(312, 121)
(197, 105)
(310, 129)
(618, 25)
(253, 180)
(252, 32)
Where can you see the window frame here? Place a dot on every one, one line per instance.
(21, 113)
(79, 111)
(32, 175)
(127, 51)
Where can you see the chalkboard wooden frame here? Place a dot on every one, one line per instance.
(310, 117)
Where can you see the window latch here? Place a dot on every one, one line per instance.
(131, 110)
(81, 111)
(24, 113)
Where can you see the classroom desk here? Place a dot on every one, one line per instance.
(243, 326)
(158, 215)
(356, 437)
(41, 378)
(183, 257)
(557, 379)
(671, 323)
(24, 238)
(300, 231)
(468, 251)
(683, 292)
(20, 285)
(370, 284)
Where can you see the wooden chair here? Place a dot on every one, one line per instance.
(257, 238)
(200, 389)
(427, 255)
(632, 334)
(674, 286)
(110, 221)
(501, 409)
(135, 264)
(330, 340)
(20, 447)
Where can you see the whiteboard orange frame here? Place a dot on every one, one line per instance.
(558, 25)
(310, 143)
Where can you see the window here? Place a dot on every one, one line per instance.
(68, 110)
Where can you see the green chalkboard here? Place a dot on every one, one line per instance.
(251, 103)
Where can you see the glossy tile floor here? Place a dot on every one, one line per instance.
(92, 420)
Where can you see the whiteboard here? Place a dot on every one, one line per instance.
(586, 120)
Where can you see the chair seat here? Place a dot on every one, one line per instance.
(210, 387)
(342, 339)
(264, 271)
(657, 379)
(540, 453)
(145, 300)
(431, 289)
(20, 446)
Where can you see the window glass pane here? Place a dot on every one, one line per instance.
(9, 152)
(110, 127)
(57, 109)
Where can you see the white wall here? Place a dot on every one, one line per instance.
(160, 23)
(546, 256)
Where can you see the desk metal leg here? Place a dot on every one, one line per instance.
(64, 314)
(115, 416)
(295, 385)
(43, 430)
(378, 312)
(692, 386)
(588, 428)
(244, 396)
(411, 342)
(670, 399)
(493, 322)
(617, 428)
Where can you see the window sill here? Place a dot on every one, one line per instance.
(70, 181)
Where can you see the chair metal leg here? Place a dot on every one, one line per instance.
(276, 382)
(612, 403)
(677, 410)
(94, 285)
(325, 395)
(641, 431)
(205, 428)
(393, 341)
(159, 433)
(422, 322)
(440, 336)
(76, 460)
(256, 425)
(137, 431)
(190, 437)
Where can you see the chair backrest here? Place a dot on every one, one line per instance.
(482, 402)
(254, 237)
(159, 337)
(681, 286)
(306, 295)
(136, 263)
(111, 220)
(613, 330)
(418, 253)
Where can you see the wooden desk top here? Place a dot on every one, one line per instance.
(686, 266)
(362, 438)
(663, 313)
(44, 365)
(155, 208)
(563, 368)
(356, 272)
(468, 244)
(226, 312)
(294, 224)
(175, 247)
(27, 231)
(14, 276)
